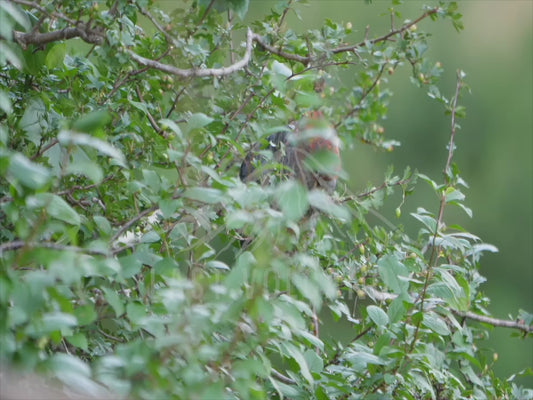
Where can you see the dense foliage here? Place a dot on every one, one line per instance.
(135, 262)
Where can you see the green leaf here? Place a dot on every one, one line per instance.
(240, 7)
(321, 200)
(449, 290)
(306, 99)
(131, 265)
(168, 123)
(298, 356)
(453, 194)
(90, 122)
(65, 362)
(397, 309)
(197, 121)
(9, 52)
(28, 173)
(55, 206)
(82, 139)
(56, 55)
(32, 121)
(292, 199)
(78, 340)
(308, 288)
(435, 323)
(217, 265)
(103, 225)
(429, 221)
(74, 373)
(57, 321)
(5, 102)
(281, 69)
(377, 315)
(19, 16)
(314, 361)
(394, 274)
(359, 360)
(168, 206)
(136, 312)
(114, 301)
(88, 168)
(85, 314)
(204, 195)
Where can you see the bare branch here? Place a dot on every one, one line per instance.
(494, 321)
(187, 73)
(36, 38)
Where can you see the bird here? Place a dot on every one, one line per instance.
(307, 151)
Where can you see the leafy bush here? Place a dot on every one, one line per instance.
(135, 263)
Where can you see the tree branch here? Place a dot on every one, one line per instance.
(253, 37)
(380, 296)
(288, 56)
(402, 29)
(129, 223)
(187, 73)
(151, 119)
(36, 38)
(494, 321)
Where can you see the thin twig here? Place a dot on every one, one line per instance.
(52, 143)
(282, 378)
(44, 10)
(434, 248)
(147, 14)
(84, 188)
(363, 96)
(151, 119)
(283, 54)
(370, 192)
(175, 103)
(132, 221)
(283, 16)
(202, 18)
(336, 357)
(403, 28)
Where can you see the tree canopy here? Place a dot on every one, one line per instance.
(136, 264)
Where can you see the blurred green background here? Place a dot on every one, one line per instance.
(494, 147)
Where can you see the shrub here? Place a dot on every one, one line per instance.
(135, 263)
